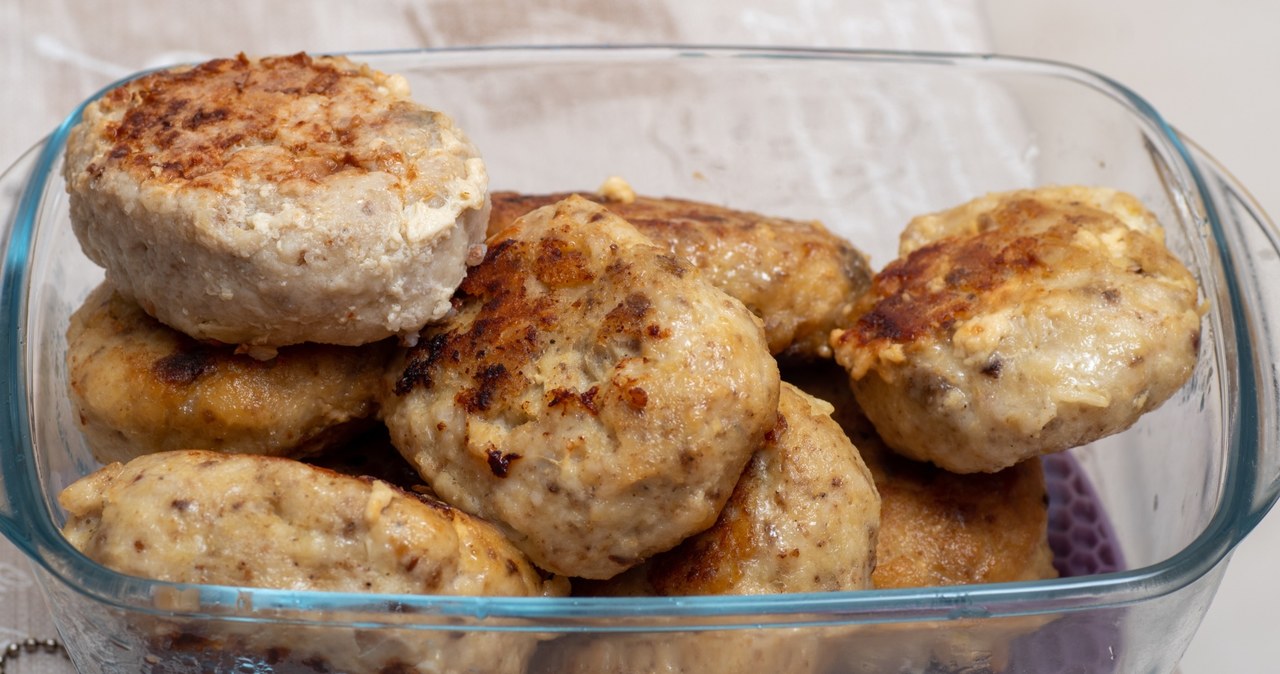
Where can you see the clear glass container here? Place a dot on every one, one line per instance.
(859, 140)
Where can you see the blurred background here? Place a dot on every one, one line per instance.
(1211, 68)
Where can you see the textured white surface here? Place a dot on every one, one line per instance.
(1211, 68)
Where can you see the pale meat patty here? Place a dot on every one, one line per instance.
(939, 528)
(593, 395)
(273, 201)
(141, 387)
(797, 276)
(197, 516)
(206, 517)
(802, 518)
(1038, 323)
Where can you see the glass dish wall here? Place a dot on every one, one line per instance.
(860, 141)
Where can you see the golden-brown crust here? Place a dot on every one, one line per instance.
(763, 261)
(516, 325)
(592, 393)
(940, 528)
(706, 563)
(943, 283)
(802, 518)
(181, 125)
(517, 320)
(1035, 323)
(141, 387)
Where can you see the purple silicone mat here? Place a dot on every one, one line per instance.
(1083, 543)
(1080, 533)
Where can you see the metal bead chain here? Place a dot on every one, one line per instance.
(29, 645)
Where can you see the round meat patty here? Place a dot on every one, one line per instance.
(802, 518)
(141, 387)
(276, 201)
(798, 277)
(1037, 323)
(593, 395)
(207, 517)
(939, 528)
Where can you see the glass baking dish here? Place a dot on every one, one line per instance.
(859, 140)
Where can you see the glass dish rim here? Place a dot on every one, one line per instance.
(40, 539)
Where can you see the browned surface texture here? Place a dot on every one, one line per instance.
(802, 518)
(980, 259)
(190, 123)
(801, 279)
(593, 395)
(942, 284)
(1035, 321)
(940, 528)
(141, 387)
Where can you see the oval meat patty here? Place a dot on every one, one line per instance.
(207, 517)
(799, 278)
(802, 518)
(197, 516)
(939, 528)
(593, 395)
(141, 387)
(278, 200)
(1038, 322)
